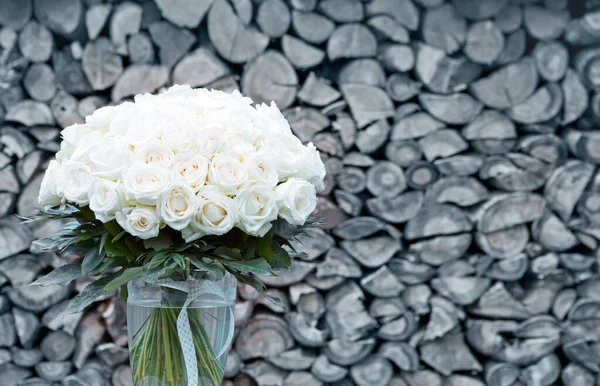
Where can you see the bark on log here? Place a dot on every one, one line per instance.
(449, 354)
(551, 60)
(456, 109)
(273, 18)
(575, 97)
(510, 18)
(515, 45)
(342, 11)
(553, 234)
(477, 10)
(351, 41)
(385, 179)
(508, 86)
(484, 42)
(173, 42)
(441, 144)
(239, 44)
(312, 27)
(347, 353)
(270, 77)
(301, 54)
(403, 153)
(386, 27)
(372, 252)
(396, 57)
(367, 103)
(403, 11)
(317, 91)
(444, 28)
(382, 283)
(545, 24)
(40, 82)
(565, 186)
(371, 370)
(414, 126)
(437, 220)
(35, 41)
(254, 331)
(420, 175)
(362, 71)
(411, 273)
(61, 16)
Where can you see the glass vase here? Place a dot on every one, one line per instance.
(185, 320)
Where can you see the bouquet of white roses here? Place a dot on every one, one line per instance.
(187, 178)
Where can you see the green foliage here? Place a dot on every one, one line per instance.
(61, 275)
(106, 247)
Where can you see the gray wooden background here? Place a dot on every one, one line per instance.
(462, 202)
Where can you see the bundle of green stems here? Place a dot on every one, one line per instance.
(157, 358)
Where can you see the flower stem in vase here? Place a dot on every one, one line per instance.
(157, 358)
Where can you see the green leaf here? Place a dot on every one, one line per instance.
(51, 214)
(255, 266)
(126, 275)
(284, 229)
(91, 260)
(213, 267)
(61, 275)
(250, 280)
(90, 293)
(159, 243)
(264, 247)
(281, 260)
(153, 275)
(117, 249)
(123, 293)
(108, 264)
(118, 237)
(178, 259)
(229, 253)
(103, 240)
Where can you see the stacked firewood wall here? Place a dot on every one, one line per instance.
(462, 202)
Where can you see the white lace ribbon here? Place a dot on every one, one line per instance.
(194, 289)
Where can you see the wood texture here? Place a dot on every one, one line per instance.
(461, 204)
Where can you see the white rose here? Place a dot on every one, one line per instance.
(240, 128)
(177, 206)
(101, 118)
(145, 183)
(71, 137)
(106, 199)
(219, 100)
(50, 189)
(176, 128)
(271, 122)
(108, 157)
(77, 182)
(215, 215)
(178, 91)
(227, 173)
(153, 152)
(257, 208)
(191, 167)
(138, 124)
(310, 167)
(208, 141)
(296, 200)
(139, 221)
(238, 149)
(261, 170)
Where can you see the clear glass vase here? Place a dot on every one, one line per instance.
(186, 319)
